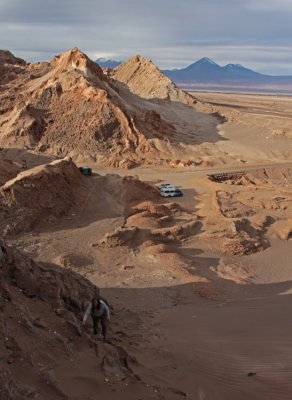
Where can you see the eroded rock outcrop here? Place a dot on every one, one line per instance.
(145, 79)
(69, 107)
(40, 195)
(10, 67)
(40, 304)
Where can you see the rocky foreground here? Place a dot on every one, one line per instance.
(44, 347)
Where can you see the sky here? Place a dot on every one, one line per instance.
(172, 33)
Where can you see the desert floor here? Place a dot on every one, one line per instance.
(206, 319)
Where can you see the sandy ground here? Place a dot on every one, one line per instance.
(263, 121)
(215, 349)
(203, 286)
(226, 337)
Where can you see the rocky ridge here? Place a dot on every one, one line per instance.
(145, 79)
(68, 106)
(10, 67)
(40, 195)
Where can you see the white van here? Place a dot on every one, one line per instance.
(170, 191)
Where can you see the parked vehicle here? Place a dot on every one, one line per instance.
(85, 171)
(171, 191)
(165, 185)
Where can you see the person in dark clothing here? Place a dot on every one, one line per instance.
(99, 311)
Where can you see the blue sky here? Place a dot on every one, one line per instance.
(173, 34)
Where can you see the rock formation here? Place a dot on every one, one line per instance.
(10, 67)
(68, 106)
(40, 195)
(39, 303)
(145, 79)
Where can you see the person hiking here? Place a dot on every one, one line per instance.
(99, 311)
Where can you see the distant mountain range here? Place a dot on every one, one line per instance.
(104, 63)
(206, 71)
(205, 74)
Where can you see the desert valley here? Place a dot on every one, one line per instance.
(199, 286)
